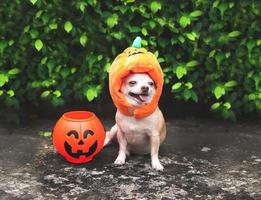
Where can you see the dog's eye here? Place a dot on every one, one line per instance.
(151, 83)
(132, 83)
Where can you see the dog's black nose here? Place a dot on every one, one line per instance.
(144, 88)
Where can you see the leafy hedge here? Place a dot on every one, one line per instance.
(59, 51)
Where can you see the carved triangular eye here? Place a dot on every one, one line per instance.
(74, 133)
(86, 133)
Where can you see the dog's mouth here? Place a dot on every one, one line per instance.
(142, 97)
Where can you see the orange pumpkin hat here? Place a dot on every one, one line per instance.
(135, 60)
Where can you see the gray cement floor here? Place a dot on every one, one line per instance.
(203, 159)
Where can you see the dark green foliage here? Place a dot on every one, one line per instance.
(59, 50)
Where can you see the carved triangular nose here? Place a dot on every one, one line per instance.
(81, 142)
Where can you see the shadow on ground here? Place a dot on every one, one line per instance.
(203, 159)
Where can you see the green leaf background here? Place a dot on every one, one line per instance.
(66, 47)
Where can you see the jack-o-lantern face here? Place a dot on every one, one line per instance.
(134, 51)
(78, 136)
(77, 146)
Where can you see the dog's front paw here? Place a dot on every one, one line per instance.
(157, 166)
(119, 161)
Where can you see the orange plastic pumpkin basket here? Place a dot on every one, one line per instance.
(78, 136)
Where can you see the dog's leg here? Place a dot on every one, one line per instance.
(110, 135)
(123, 152)
(155, 143)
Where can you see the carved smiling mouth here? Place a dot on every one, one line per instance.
(142, 97)
(79, 153)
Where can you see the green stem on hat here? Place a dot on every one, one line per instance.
(137, 42)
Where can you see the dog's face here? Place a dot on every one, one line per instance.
(138, 89)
